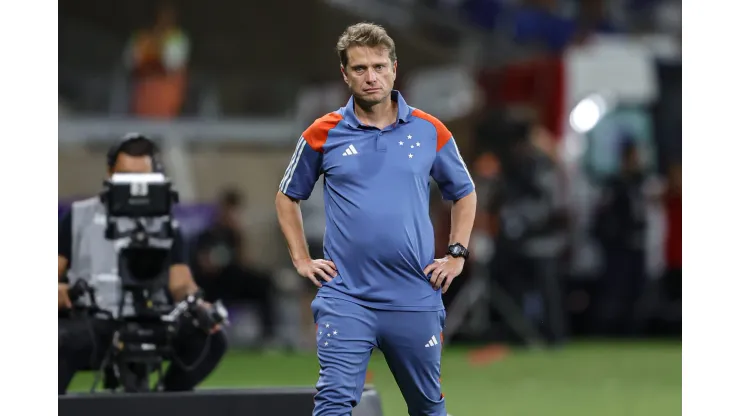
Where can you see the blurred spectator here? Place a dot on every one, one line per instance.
(673, 248)
(487, 178)
(222, 269)
(533, 231)
(620, 226)
(157, 58)
(488, 184)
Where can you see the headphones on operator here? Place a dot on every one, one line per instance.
(115, 150)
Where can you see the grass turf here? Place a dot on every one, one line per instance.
(582, 379)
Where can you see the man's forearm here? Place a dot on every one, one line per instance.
(463, 217)
(291, 224)
(61, 267)
(181, 282)
(181, 292)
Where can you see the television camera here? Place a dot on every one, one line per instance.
(140, 224)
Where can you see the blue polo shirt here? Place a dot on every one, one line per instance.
(376, 195)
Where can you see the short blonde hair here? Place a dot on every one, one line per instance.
(365, 34)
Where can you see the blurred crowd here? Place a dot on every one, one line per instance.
(555, 24)
(157, 58)
(526, 215)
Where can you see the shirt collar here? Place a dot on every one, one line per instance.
(404, 111)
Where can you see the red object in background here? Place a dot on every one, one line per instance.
(487, 355)
(538, 82)
(673, 243)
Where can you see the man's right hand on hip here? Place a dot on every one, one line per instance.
(316, 270)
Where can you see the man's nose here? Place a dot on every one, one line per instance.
(371, 77)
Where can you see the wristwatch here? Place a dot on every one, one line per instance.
(458, 250)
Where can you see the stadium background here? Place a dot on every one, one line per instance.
(573, 77)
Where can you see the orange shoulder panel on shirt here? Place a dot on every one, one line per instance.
(443, 135)
(317, 133)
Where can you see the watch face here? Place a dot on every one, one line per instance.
(455, 250)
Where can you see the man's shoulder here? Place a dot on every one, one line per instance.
(443, 133)
(85, 211)
(317, 133)
(92, 202)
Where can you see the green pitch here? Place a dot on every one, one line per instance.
(584, 379)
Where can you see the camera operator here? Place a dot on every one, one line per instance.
(86, 254)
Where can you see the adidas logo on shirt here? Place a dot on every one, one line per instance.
(350, 151)
(432, 342)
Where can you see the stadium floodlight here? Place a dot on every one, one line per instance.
(587, 113)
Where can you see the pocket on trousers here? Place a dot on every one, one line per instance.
(316, 307)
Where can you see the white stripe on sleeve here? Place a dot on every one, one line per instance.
(459, 156)
(288, 176)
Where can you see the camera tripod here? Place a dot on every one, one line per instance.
(139, 345)
(138, 350)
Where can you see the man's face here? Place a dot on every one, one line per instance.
(369, 73)
(132, 164)
(230, 215)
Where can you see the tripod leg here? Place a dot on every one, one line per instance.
(514, 317)
(125, 378)
(142, 376)
(100, 374)
(473, 292)
(555, 310)
(159, 386)
(466, 299)
(134, 377)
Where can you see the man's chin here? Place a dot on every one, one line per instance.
(372, 98)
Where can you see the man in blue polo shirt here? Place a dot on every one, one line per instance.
(380, 286)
